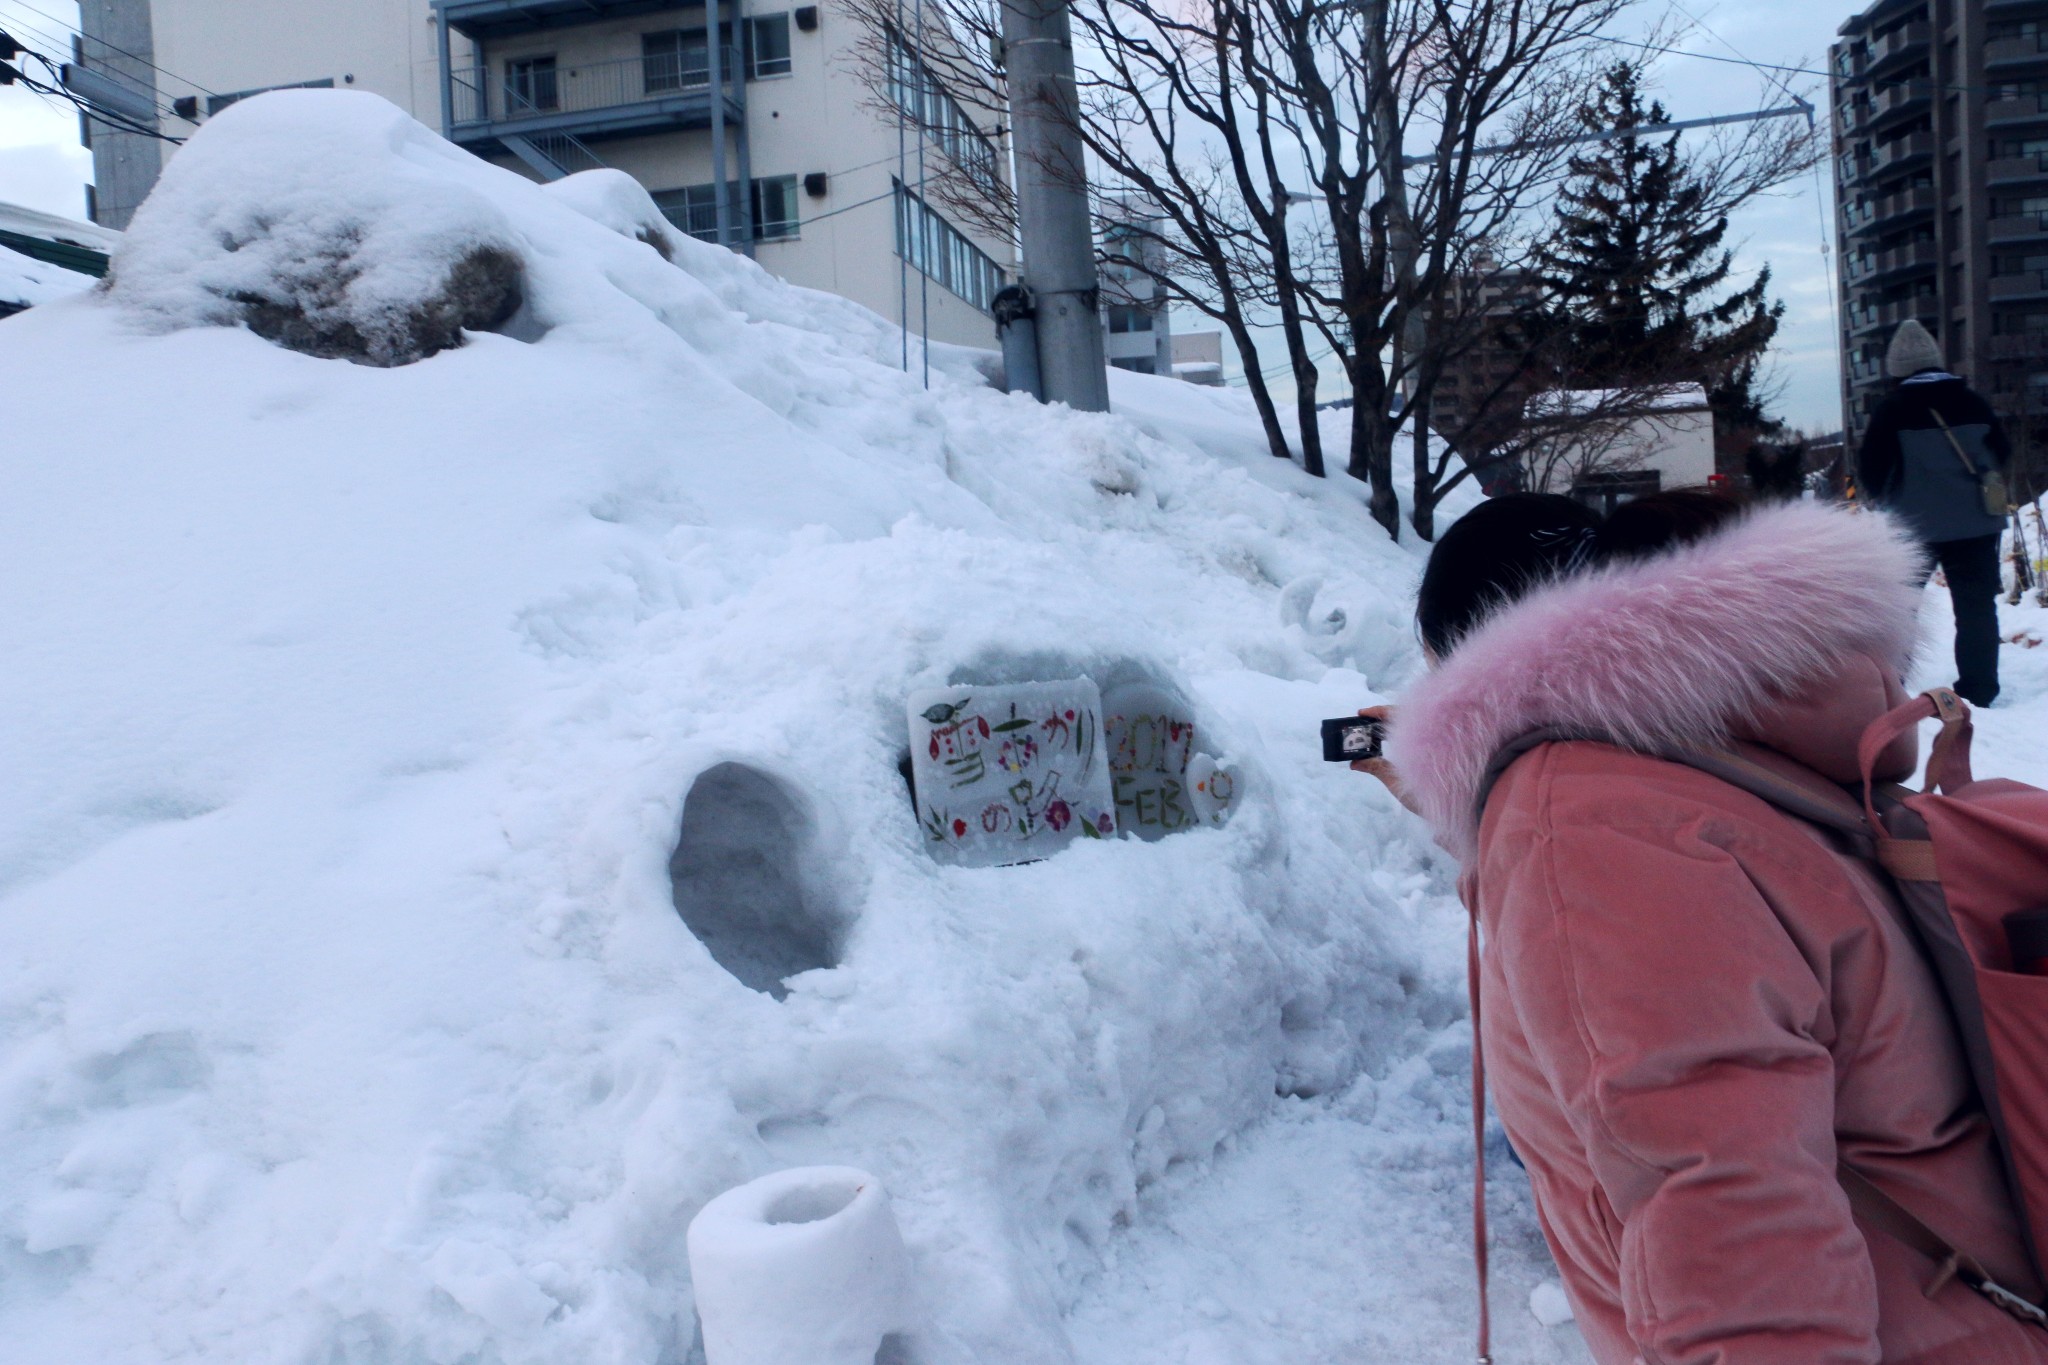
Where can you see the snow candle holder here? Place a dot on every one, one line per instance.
(805, 1265)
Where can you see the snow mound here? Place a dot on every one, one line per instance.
(422, 782)
(618, 201)
(338, 236)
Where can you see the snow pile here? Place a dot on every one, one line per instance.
(345, 240)
(621, 203)
(367, 727)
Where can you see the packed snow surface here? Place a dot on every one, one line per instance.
(357, 718)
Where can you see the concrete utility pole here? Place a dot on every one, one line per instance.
(1052, 203)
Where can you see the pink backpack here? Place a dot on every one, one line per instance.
(1962, 853)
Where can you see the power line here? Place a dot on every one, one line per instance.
(37, 33)
(111, 117)
(66, 26)
(1946, 87)
(1820, 206)
(848, 208)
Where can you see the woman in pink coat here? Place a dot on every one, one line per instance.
(1695, 1008)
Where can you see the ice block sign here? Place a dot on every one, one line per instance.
(1009, 774)
(1151, 740)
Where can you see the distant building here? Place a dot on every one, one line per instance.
(1137, 330)
(1620, 444)
(1198, 357)
(1478, 398)
(549, 87)
(1940, 119)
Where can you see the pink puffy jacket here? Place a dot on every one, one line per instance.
(1693, 1006)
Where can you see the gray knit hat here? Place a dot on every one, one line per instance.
(1913, 349)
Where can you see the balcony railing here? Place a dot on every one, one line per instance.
(1901, 151)
(1911, 40)
(1912, 256)
(1888, 211)
(1885, 316)
(2015, 227)
(2027, 284)
(2023, 50)
(2006, 169)
(1894, 100)
(484, 96)
(2016, 109)
(2020, 346)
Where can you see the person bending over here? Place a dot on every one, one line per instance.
(1696, 1012)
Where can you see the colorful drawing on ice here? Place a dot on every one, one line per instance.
(1009, 774)
(1151, 739)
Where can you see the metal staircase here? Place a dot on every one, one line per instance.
(552, 155)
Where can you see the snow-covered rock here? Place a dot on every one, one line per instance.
(344, 238)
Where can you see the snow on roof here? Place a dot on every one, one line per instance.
(26, 281)
(53, 228)
(1671, 398)
(352, 720)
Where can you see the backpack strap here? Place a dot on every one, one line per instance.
(1948, 768)
(1889, 1216)
(1792, 787)
(1954, 444)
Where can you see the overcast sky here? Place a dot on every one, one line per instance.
(42, 166)
(1786, 230)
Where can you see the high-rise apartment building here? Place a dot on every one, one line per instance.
(781, 138)
(1940, 113)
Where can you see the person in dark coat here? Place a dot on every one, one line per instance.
(1933, 480)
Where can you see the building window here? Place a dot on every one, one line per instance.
(680, 58)
(1137, 364)
(530, 85)
(1129, 317)
(767, 46)
(920, 94)
(675, 59)
(938, 249)
(694, 209)
(775, 215)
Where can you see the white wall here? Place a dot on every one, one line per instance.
(822, 117)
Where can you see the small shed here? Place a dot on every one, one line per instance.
(1623, 443)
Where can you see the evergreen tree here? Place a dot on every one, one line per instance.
(1635, 276)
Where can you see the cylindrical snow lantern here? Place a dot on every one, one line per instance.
(803, 1267)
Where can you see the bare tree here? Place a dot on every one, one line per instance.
(1416, 142)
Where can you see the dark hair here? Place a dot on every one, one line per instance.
(1658, 522)
(1506, 546)
(1493, 554)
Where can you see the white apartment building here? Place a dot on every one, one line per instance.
(814, 186)
(1137, 330)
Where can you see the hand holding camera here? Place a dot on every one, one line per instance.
(1358, 740)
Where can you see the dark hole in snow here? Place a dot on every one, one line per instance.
(740, 884)
(895, 1350)
(903, 765)
(813, 1204)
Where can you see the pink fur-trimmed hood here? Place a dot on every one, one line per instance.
(1686, 649)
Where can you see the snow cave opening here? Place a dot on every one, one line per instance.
(740, 883)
